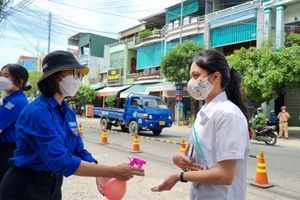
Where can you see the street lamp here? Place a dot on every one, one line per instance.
(29, 51)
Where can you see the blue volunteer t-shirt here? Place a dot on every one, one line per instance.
(9, 113)
(48, 138)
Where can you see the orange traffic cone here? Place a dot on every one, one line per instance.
(80, 130)
(136, 146)
(182, 149)
(261, 179)
(104, 137)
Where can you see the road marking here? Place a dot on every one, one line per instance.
(143, 137)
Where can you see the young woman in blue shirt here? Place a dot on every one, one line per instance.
(13, 80)
(49, 145)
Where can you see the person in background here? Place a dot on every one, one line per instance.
(49, 145)
(13, 80)
(273, 120)
(283, 117)
(259, 122)
(220, 136)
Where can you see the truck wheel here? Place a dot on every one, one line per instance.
(133, 127)
(124, 129)
(156, 132)
(105, 124)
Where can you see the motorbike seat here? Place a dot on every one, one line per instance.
(262, 130)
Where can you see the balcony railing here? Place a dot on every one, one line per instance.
(153, 34)
(118, 43)
(185, 21)
(220, 12)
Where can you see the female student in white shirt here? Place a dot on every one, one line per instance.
(220, 136)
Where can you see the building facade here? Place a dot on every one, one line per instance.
(281, 19)
(30, 63)
(223, 25)
(93, 51)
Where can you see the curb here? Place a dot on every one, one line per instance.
(143, 137)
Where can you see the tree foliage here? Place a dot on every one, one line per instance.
(175, 64)
(86, 95)
(34, 77)
(110, 101)
(266, 74)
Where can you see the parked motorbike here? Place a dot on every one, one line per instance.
(266, 135)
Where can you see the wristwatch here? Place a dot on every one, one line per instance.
(181, 177)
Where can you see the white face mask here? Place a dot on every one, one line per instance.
(69, 86)
(200, 89)
(5, 84)
(283, 110)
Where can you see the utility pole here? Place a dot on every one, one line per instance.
(49, 31)
(181, 13)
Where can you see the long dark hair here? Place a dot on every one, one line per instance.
(18, 73)
(214, 61)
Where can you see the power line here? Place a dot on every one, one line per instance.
(63, 24)
(62, 31)
(105, 13)
(20, 33)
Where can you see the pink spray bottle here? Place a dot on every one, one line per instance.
(115, 189)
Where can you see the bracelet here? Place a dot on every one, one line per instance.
(181, 178)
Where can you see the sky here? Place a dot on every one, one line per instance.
(25, 30)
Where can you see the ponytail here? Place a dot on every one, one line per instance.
(26, 87)
(234, 93)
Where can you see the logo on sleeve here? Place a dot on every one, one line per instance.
(9, 106)
(74, 127)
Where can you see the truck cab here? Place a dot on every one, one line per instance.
(144, 112)
(141, 112)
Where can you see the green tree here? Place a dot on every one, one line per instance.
(34, 77)
(110, 101)
(86, 95)
(175, 64)
(266, 74)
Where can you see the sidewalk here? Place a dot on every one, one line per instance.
(294, 131)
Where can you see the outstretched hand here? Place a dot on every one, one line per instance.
(125, 172)
(168, 184)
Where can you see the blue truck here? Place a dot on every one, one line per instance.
(141, 112)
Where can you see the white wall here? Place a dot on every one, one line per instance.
(105, 64)
(291, 12)
(94, 65)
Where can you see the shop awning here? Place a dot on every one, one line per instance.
(163, 86)
(137, 89)
(97, 86)
(112, 91)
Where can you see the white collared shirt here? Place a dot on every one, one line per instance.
(222, 131)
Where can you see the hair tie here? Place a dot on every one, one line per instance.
(230, 67)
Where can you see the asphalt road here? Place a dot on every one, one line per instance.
(283, 160)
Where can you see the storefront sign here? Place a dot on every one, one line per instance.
(178, 95)
(114, 77)
(160, 88)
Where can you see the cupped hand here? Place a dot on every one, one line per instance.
(167, 185)
(101, 181)
(125, 172)
(184, 162)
